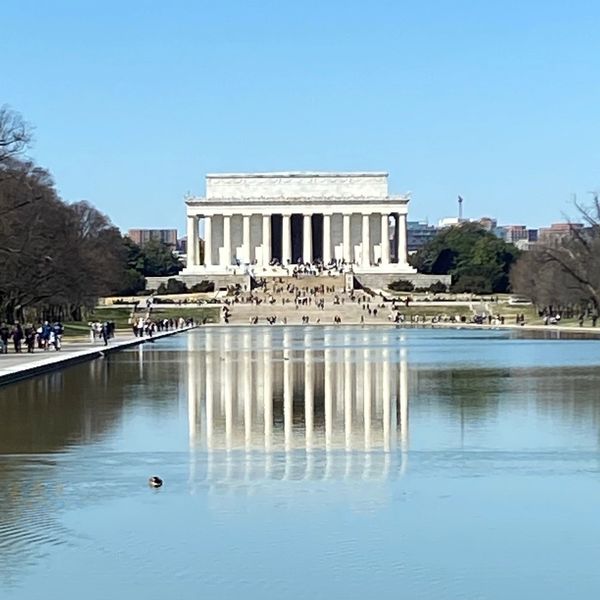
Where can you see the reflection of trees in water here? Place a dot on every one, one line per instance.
(474, 392)
(570, 393)
(79, 404)
(566, 393)
(48, 414)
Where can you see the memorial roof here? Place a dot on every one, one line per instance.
(299, 174)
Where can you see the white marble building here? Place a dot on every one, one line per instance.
(264, 218)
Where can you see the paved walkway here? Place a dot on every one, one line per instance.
(14, 367)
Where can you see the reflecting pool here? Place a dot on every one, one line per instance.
(307, 462)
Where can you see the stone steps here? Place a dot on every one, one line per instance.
(349, 312)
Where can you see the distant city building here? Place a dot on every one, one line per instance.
(519, 235)
(143, 236)
(418, 234)
(182, 245)
(488, 223)
(449, 222)
(524, 244)
(515, 233)
(556, 232)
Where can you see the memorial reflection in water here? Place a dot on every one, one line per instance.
(315, 398)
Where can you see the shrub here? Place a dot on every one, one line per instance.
(174, 286)
(438, 288)
(203, 287)
(402, 285)
(472, 283)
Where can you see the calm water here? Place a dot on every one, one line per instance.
(307, 463)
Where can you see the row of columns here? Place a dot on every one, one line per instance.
(307, 251)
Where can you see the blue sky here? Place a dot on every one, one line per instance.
(133, 102)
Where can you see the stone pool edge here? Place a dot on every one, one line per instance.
(65, 358)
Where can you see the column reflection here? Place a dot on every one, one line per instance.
(297, 403)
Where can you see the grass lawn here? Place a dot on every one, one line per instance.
(432, 311)
(120, 315)
(509, 312)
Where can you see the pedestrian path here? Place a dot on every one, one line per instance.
(16, 366)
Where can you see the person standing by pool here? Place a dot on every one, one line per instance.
(4, 337)
(17, 336)
(58, 333)
(30, 334)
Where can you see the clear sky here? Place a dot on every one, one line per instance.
(133, 102)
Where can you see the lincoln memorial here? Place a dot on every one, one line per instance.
(264, 222)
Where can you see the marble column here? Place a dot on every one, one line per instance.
(207, 240)
(266, 240)
(366, 241)
(192, 241)
(307, 239)
(385, 240)
(227, 240)
(402, 250)
(286, 239)
(246, 238)
(326, 239)
(346, 239)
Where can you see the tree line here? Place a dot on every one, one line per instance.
(56, 258)
(563, 275)
(560, 275)
(478, 261)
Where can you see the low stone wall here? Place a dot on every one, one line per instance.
(220, 281)
(371, 280)
(382, 280)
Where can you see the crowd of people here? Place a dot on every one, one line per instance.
(146, 327)
(553, 316)
(101, 331)
(315, 269)
(29, 337)
(43, 336)
(283, 292)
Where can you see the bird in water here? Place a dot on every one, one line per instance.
(155, 481)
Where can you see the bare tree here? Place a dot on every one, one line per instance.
(56, 258)
(567, 270)
(15, 134)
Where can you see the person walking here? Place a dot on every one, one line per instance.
(30, 334)
(4, 336)
(58, 333)
(17, 336)
(46, 334)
